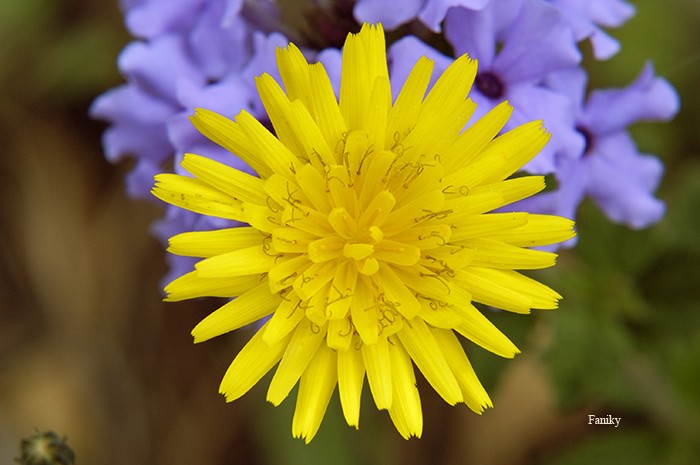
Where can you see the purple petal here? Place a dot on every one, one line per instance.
(473, 33)
(624, 182)
(156, 17)
(155, 66)
(585, 16)
(538, 43)
(227, 97)
(434, 11)
(646, 99)
(219, 49)
(143, 141)
(572, 83)
(231, 13)
(386, 12)
(604, 45)
(609, 13)
(127, 103)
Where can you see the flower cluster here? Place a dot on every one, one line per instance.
(528, 54)
(371, 234)
(205, 53)
(188, 53)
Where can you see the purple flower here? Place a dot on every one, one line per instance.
(534, 41)
(195, 62)
(585, 16)
(430, 12)
(610, 169)
(194, 53)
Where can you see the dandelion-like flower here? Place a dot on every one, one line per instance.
(369, 236)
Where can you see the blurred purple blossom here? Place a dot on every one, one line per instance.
(610, 168)
(586, 17)
(518, 43)
(430, 12)
(192, 53)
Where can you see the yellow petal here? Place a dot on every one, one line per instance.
(503, 156)
(419, 343)
(405, 411)
(276, 102)
(445, 110)
(489, 292)
(234, 182)
(540, 296)
(231, 136)
(197, 196)
(285, 319)
(306, 340)
(312, 184)
(249, 307)
(341, 293)
(328, 117)
(326, 248)
(511, 190)
(397, 292)
(539, 230)
(210, 243)
(396, 253)
(490, 253)
(404, 114)
(315, 390)
(277, 155)
(405, 216)
(255, 359)
(476, 137)
(351, 375)
(480, 330)
(311, 280)
(309, 135)
(192, 285)
(473, 392)
(283, 273)
(430, 284)
(291, 240)
(364, 313)
(486, 225)
(377, 112)
(251, 260)
(378, 366)
(364, 60)
(438, 314)
(340, 334)
(294, 71)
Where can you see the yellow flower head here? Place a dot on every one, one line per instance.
(369, 235)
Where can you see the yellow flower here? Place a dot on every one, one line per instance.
(369, 235)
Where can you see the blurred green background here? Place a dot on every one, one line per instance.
(87, 348)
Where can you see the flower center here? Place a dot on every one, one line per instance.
(489, 85)
(588, 138)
